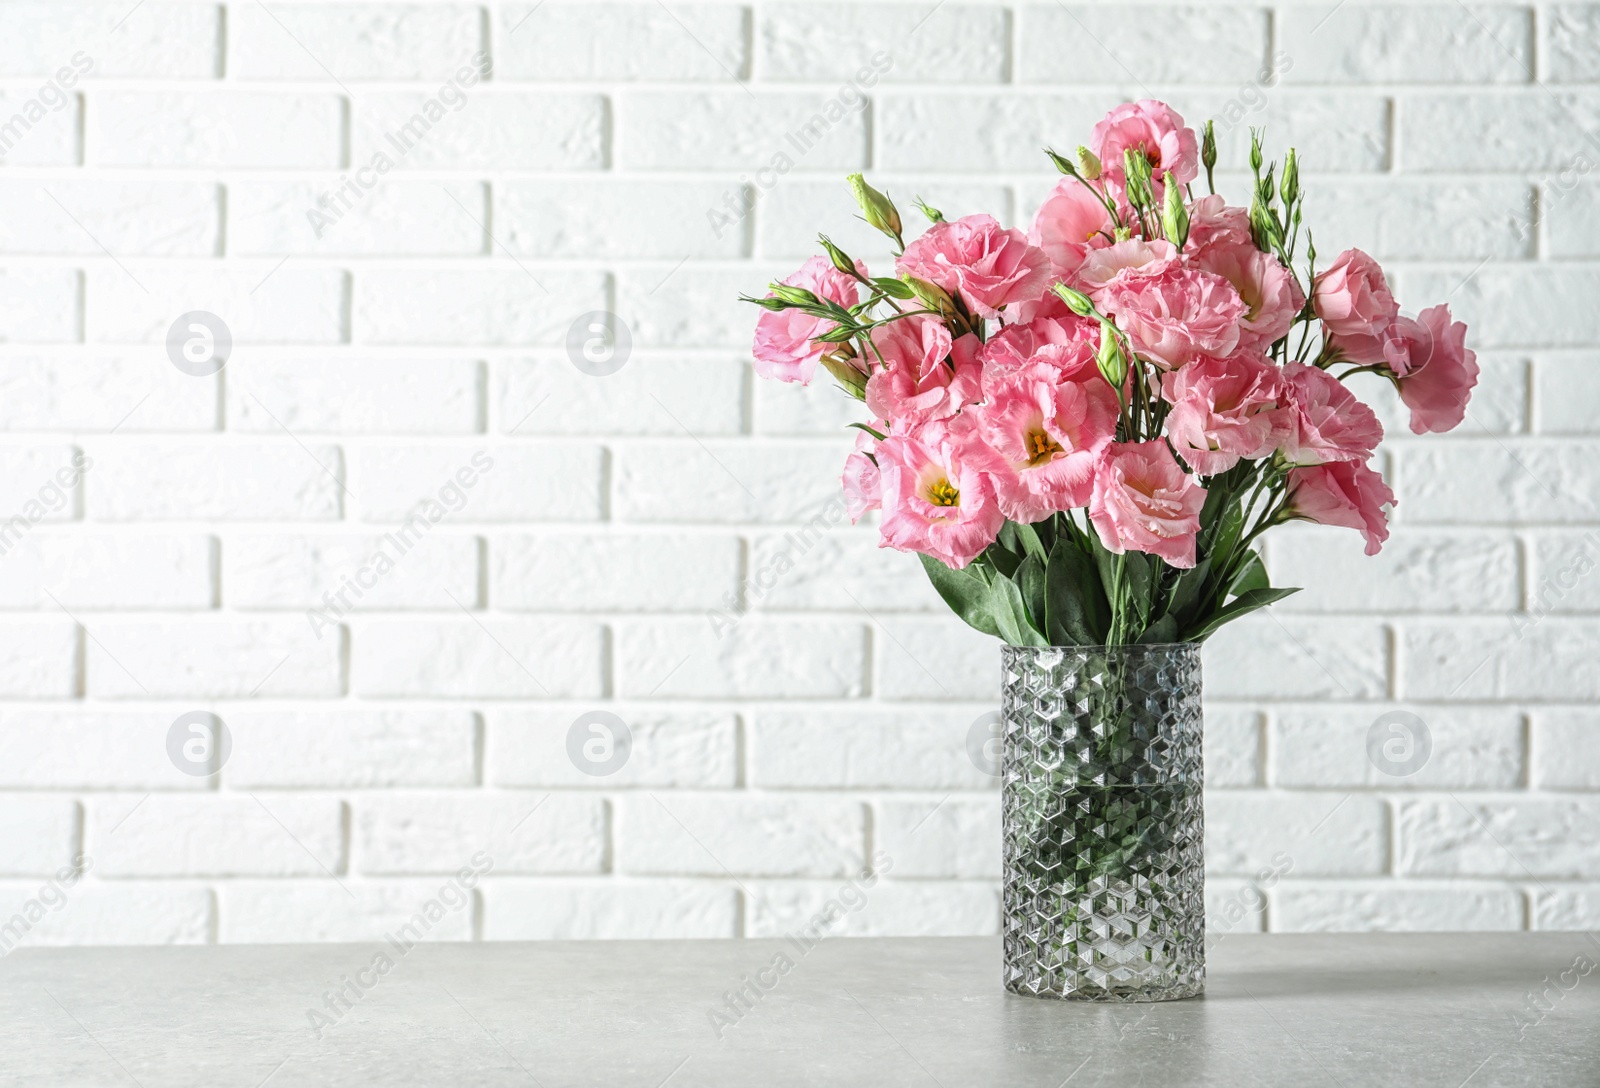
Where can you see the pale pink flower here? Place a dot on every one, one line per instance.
(1354, 302)
(1015, 344)
(1325, 422)
(1268, 289)
(863, 489)
(1152, 129)
(1179, 315)
(1124, 262)
(934, 500)
(917, 383)
(784, 347)
(1143, 501)
(1435, 368)
(989, 266)
(1038, 435)
(1224, 410)
(1345, 493)
(1068, 224)
(1214, 222)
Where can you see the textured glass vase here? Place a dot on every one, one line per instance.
(1104, 863)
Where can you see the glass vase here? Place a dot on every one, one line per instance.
(1104, 895)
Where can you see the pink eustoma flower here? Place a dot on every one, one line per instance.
(1179, 315)
(1344, 493)
(1039, 433)
(784, 347)
(916, 384)
(1354, 302)
(989, 266)
(1069, 223)
(1271, 296)
(1435, 368)
(1224, 411)
(934, 500)
(863, 489)
(1143, 501)
(1125, 261)
(1152, 129)
(1214, 222)
(1326, 421)
(1015, 344)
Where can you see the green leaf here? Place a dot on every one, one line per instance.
(1011, 615)
(1076, 601)
(1029, 538)
(1031, 580)
(869, 430)
(1253, 575)
(1005, 561)
(966, 593)
(1186, 590)
(892, 287)
(1163, 630)
(1242, 605)
(1137, 576)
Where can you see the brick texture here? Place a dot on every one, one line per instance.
(605, 642)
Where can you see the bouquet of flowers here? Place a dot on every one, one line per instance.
(1083, 429)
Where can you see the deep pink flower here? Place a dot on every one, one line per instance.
(1436, 369)
(988, 265)
(1143, 501)
(1269, 290)
(1039, 434)
(1326, 421)
(1179, 315)
(1068, 224)
(783, 347)
(1354, 302)
(1152, 129)
(1224, 410)
(934, 500)
(1343, 493)
(916, 383)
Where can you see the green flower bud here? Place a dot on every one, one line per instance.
(931, 295)
(878, 209)
(841, 260)
(1174, 216)
(1065, 165)
(1208, 147)
(934, 215)
(1255, 150)
(1078, 302)
(1112, 362)
(1290, 186)
(794, 296)
(1088, 164)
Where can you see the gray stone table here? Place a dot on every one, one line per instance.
(1314, 1010)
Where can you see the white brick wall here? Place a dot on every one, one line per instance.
(589, 537)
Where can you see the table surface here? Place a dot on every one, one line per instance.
(1325, 1009)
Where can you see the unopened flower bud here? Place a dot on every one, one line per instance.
(1088, 164)
(841, 260)
(934, 215)
(1078, 302)
(794, 296)
(1255, 150)
(1175, 217)
(841, 362)
(1208, 147)
(1063, 164)
(1112, 362)
(1290, 186)
(931, 295)
(878, 210)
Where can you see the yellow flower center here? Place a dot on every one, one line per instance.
(943, 493)
(1041, 447)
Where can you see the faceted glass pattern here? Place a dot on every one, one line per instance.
(1104, 865)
